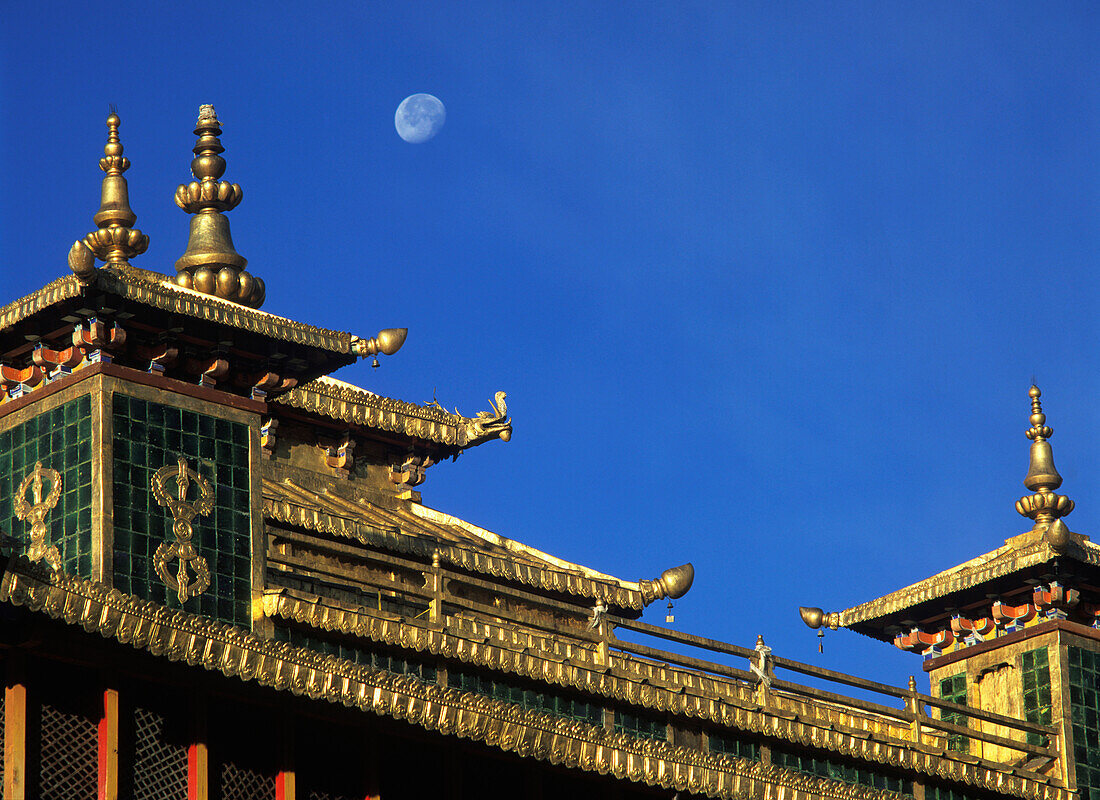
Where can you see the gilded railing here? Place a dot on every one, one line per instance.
(1036, 745)
(462, 604)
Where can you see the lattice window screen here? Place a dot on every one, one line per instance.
(68, 765)
(160, 767)
(3, 718)
(327, 796)
(239, 783)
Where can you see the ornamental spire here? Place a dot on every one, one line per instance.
(210, 264)
(115, 241)
(1045, 507)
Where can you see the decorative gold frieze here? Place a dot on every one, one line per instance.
(183, 637)
(183, 512)
(35, 512)
(156, 290)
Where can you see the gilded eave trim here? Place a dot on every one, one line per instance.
(153, 289)
(643, 683)
(359, 407)
(54, 292)
(288, 513)
(966, 576)
(217, 647)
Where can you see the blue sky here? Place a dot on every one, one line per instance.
(766, 283)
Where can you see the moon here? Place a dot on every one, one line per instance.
(419, 118)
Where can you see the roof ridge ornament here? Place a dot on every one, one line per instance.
(1045, 507)
(211, 264)
(115, 241)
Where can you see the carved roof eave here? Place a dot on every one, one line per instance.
(217, 647)
(338, 400)
(610, 590)
(154, 289)
(975, 572)
(661, 687)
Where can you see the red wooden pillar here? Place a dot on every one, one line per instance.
(284, 785)
(370, 767)
(285, 777)
(15, 734)
(198, 755)
(108, 747)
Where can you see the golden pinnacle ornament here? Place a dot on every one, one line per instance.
(1045, 507)
(211, 264)
(115, 241)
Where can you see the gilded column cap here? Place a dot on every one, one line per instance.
(115, 241)
(211, 264)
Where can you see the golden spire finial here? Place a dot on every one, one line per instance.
(115, 241)
(211, 264)
(1045, 507)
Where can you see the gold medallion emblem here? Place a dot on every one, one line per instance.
(36, 512)
(183, 512)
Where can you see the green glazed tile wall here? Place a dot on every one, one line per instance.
(148, 436)
(371, 658)
(1035, 678)
(841, 771)
(509, 692)
(1084, 698)
(62, 440)
(954, 690)
(733, 746)
(641, 726)
(937, 792)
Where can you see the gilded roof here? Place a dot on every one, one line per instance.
(1012, 557)
(412, 528)
(156, 290)
(214, 646)
(339, 400)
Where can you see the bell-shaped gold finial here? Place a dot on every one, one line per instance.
(1042, 477)
(1041, 473)
(211, 264)
(115, 241)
